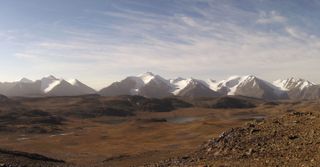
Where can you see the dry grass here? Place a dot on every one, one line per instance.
(127, 141)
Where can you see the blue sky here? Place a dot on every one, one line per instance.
(100, 41)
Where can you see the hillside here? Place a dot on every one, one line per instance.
(289, 140)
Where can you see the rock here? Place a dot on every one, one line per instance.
(217, 153)
(250, 151)
(298, 113)
(292, 137)
(254, 130)
(251, 124)
(185, 157)
(276, 122)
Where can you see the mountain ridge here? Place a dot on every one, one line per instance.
(46, 86)
(249, 85)
(155, 86)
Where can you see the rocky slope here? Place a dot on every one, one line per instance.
(290, 140)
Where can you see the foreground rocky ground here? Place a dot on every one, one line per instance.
(290, 140)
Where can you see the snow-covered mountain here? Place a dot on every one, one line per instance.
(47, 86)
(191, 88)
(195, 88)
(147, 84)
(62, 87)
(292, 83)
(151, 85)
(249, 85)
(179, 84)
(298, 88)
(84, 89)
(48, 83)
(252, 86)
(155, 86)
(228, 86)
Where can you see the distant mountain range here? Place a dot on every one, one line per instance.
(47, 86)
(155, 86)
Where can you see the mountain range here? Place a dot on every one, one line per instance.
(47, 86)
(155, 86)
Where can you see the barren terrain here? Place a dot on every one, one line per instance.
(135, 131)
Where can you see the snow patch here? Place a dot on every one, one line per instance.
(232, 83)
(146, 77)
(46, 81)
(74, 82)
(52, 85)
(179, 84)
(292, 83)
(280, 84)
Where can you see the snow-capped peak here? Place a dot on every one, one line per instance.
(51, 86)
(292, 83)
(26, 80)
(149, 76)
(179, 84)
(213, 84)
(146, 77)
(234, 82)
(73, 81)
(246, 79)
(47, 81)
(231, 84)
(50, 77)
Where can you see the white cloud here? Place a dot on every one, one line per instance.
(270, 18)
(189, 21)
(179, 44)
(296, 33)
(25, 56)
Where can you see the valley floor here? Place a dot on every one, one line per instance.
(282, 133)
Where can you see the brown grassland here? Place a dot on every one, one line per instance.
(135, 138)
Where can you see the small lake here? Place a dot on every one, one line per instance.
(181, 120)
(251, 117)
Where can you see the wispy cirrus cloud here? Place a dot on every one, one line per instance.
(270, 17)
(197, 38)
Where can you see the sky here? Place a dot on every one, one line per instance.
(101, 41)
